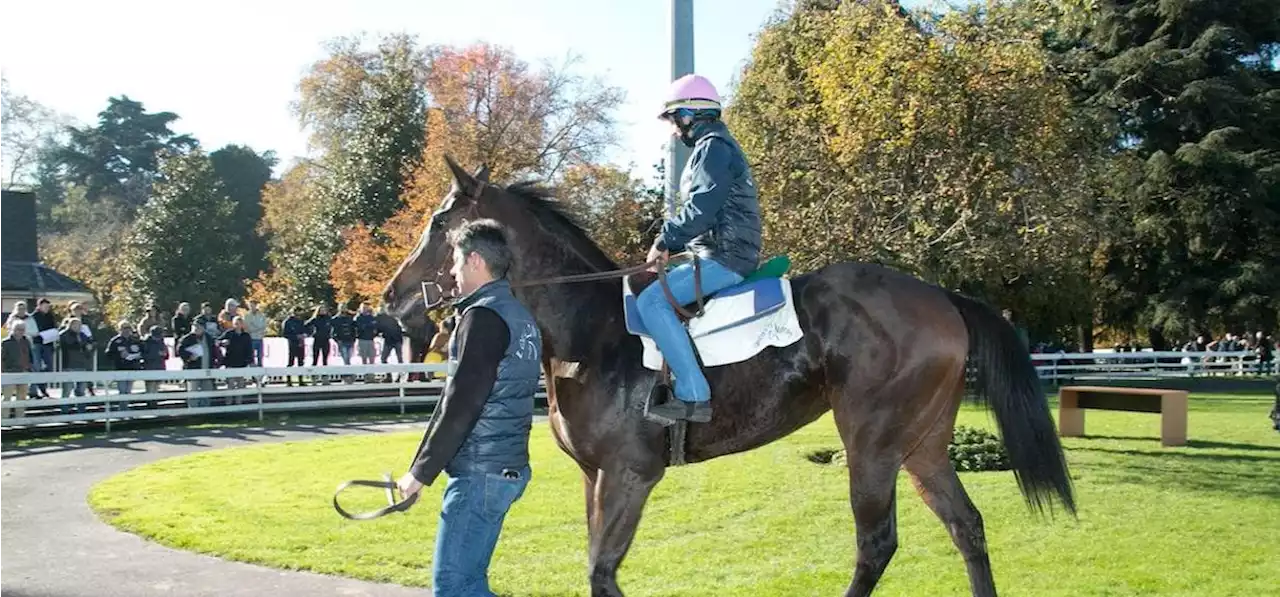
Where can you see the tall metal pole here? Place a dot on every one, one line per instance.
(681, 65)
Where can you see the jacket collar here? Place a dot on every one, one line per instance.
(488, 288)
(702, 128)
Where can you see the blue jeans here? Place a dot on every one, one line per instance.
(70, 388)
(475, 505)
(670, 335)
(344, 351)
(41, 360)
(257, 352)
(124, 388)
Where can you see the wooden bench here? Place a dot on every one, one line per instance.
(1171, 404)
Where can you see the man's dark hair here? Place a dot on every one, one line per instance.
(489, 239)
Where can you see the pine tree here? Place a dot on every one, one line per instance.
(1192, 91)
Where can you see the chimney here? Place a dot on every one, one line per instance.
(18, 231)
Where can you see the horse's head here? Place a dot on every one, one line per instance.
(423, 279)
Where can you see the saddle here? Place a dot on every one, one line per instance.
(763, 290)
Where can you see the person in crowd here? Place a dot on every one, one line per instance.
(209, 321)
(77, 355)
(440, 344)
(194, 348)
(237, 347)
(392, 335)
(344, 333)
(125, 350)
(154, 354)
(227, 316)
(1264, 347)
(255, 321)
(180, 324)
(294, 330)
(366, 331)
(150, 318)
(45, 345)
(321, 330)
(16, 357)
(87, 324)
(19, 314)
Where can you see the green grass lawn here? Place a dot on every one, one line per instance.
(1196, 521)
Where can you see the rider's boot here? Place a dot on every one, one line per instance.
(679, 410)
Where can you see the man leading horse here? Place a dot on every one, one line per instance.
(718, 220)
(480, 434)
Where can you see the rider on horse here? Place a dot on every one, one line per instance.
(718, 220)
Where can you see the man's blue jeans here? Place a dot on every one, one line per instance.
(41, 360)
(257, 351)
(475, 505)
(670, 335)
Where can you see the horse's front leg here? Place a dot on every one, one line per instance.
(613, 516)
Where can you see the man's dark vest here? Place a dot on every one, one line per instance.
(500, 438)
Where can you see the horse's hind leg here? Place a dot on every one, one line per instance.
(872, 495)
(935, 478)
(618, 503)
(873, 474)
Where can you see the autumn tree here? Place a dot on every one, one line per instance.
(621, 212)
(944, 145)
(486, 106)
(300, 241)
(365, 109)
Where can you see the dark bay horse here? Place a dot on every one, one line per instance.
(884, 351)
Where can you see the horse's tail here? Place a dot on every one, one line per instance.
(1008, 383)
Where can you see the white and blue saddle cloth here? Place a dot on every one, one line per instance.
(736, 323)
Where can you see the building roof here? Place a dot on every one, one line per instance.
(36, 279)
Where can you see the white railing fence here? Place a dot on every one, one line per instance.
(1172, 364)
(258, 389)
(247, 389)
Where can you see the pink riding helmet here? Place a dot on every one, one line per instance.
(693, 92)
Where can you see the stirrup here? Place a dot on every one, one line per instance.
(661, 393)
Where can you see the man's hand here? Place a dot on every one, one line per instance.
(409, 485)
(654, 253)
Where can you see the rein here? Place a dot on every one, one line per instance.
(635, 269)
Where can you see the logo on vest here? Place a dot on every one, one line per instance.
(527, 345)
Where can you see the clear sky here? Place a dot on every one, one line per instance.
(230, 68)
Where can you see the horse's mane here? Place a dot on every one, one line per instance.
(560, 220)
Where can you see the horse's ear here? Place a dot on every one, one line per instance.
(461, 179)
(482, 174)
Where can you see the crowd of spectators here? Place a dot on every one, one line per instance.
(232, 338)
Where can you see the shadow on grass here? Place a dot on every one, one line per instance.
(1234, 474)
(137, 438)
